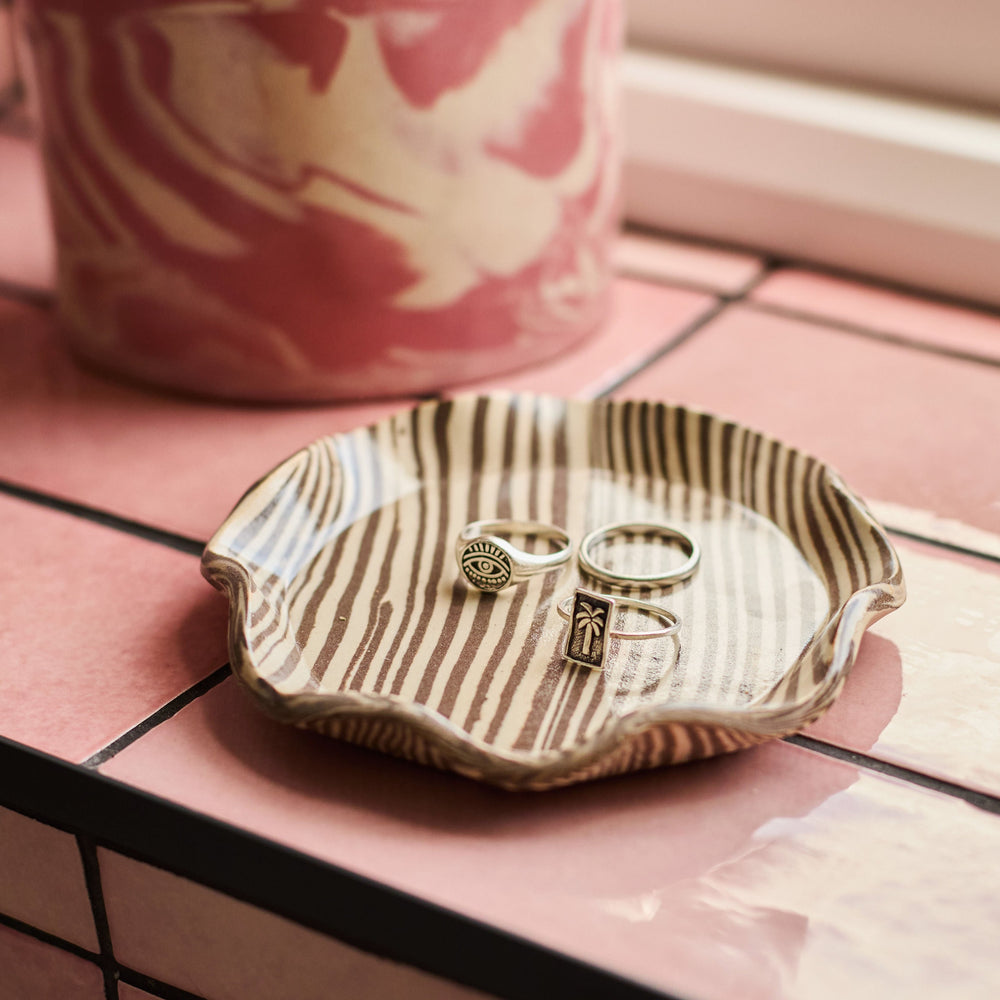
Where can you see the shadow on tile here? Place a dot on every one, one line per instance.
(870, 699)
(711, 806)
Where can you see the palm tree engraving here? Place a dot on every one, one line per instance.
(591, 620)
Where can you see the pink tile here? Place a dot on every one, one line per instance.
(907, 427)
(883, 310)
(643, 255)
(173, 462)
(769, 872)
(32, 970)
(100, 629)
(27, 249)
(218, 947)
(644, 319)
(127, 992)
(41, 880)
(931, 672)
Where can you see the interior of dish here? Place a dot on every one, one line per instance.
(350, 614)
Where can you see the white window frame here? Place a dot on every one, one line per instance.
(899, 187)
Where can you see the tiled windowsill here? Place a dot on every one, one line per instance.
(159, 837)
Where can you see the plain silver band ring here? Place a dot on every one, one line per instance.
(673, 621)
(490, 562)
(688, 545)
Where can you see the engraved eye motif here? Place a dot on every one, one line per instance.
(486, 566)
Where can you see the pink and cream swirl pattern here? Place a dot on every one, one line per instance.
(308, 199)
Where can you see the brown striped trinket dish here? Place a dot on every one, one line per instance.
(348, 614)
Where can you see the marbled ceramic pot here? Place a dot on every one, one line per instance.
(314, 199)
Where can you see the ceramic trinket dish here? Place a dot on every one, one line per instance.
(349, 614)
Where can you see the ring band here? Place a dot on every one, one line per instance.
(689, 546)
(589, 617)
(491, 563)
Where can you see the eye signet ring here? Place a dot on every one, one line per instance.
(688, 545)
(490, 562)
(589, 616)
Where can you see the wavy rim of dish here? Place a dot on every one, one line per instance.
(842, 629)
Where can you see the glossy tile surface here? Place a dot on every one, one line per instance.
(644, 319)
(175, 463)
(883, 310)
(41, 880)
(657, 258)
(895, 422)
(127, 992)
(775, 868)
(33, 970)
(925, 691)
(218, 947)
(100, 629)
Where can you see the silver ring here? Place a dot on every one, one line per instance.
(491, 563)
(688, 545)
(589, 617)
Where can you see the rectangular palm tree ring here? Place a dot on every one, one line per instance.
(589, 624)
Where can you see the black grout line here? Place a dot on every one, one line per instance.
(953, 300)
(25, 294)
(942, 544)
(112, 971)
(46, 938)
(651, 231)
(687, 285)
(168, 711)
(156, 987)
(672, 344)
(768, 267)
(666, 279)
(783, 261)
(873, 333)
(182, 543)
(982, 800)
(776, 262)
(723, 301)
(92, 877)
